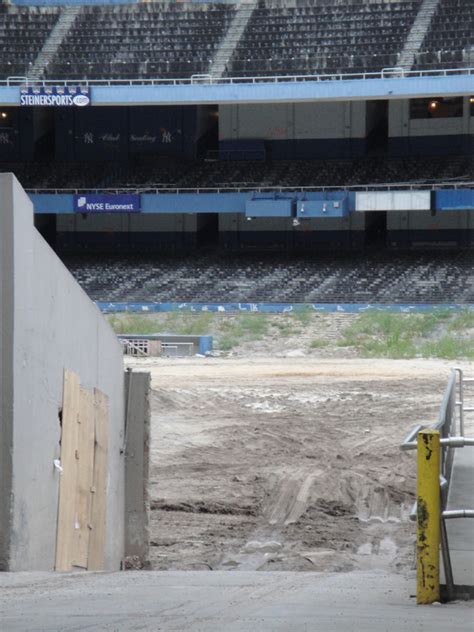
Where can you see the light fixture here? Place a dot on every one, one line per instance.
(471, 99)
(433, 105)
(3, 115)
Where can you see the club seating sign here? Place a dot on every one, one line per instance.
(100, 203)
(63, 96)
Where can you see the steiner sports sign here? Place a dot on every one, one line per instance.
(97, 203)
(56, 96)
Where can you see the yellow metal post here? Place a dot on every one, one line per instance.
(428, 517)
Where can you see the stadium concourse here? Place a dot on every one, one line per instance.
(263, 152)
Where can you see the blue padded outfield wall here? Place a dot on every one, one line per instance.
(278, 308)
(59, 3)
(307, 204)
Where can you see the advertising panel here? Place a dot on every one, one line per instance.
(63, 96)
(104, 203)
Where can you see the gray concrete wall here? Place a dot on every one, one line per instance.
(126, 222)
(423, 220)
(6, 374)
(137, 465)
(283, 121)
(400, 123)
(48, 324)
(238, 222)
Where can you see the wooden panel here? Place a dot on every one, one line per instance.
(154, 348)
(99, 498)
(85, 465)
(68, 479)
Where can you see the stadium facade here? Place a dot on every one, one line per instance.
(283, 126)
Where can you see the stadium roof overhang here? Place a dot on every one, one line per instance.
(206, 90)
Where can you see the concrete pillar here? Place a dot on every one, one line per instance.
(137, 453)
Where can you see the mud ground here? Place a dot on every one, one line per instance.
(285, 463)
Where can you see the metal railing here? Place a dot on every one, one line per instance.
(450, 425)
(393, 186)
(385, 73)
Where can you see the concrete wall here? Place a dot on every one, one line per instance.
(426, 221)
(424, 135)
(450, 228)
(48, 324)
(236, 232)
(283, 121)
(237, 222)
(113, 232)
(126, 222)
(298, 130)
(6, 375)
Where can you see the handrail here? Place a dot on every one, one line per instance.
(458, 513)
(451, 442)
(211, 80)
(410, 438)
(394, 186)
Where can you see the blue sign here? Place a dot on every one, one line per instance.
(64, 96)
(120, 203)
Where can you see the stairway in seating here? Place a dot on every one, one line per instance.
(61, 29)
(232, 38)
(417, 33)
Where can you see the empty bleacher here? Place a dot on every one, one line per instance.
(23, 31)
(154, 40)
(176, 40)
(376, 278)
(323, 36)
(449, 42)
(150, 175)
(48, 175)
(320, 173)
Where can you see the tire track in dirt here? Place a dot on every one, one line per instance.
(269, 470)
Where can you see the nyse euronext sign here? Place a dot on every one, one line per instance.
(98, 203)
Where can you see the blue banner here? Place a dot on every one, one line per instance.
(64, 96)
(94, 203)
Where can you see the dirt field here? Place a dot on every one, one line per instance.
(287, 463)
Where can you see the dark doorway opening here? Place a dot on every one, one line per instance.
(376, 229)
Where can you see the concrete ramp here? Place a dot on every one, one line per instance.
(223, 601)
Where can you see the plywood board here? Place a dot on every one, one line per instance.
(68, 479)
(85, 469)
(97, 535)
